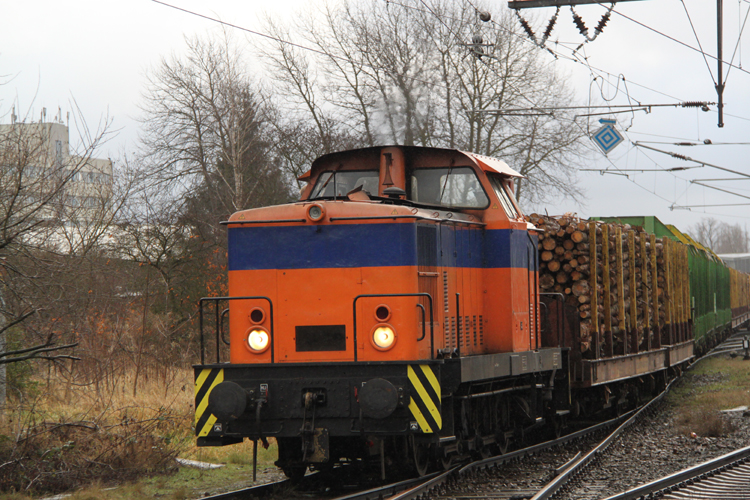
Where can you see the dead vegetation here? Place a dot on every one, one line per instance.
(715, 384)
(703, 422)
(56, 457)
(75, 435)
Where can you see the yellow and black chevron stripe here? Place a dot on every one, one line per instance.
(204, 382)
(424, 402)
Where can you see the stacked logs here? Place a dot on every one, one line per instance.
(621, 309)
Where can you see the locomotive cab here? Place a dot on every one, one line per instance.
(395, 306)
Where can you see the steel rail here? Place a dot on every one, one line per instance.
(426, 485)
(393, 491)
(420, 486)
(577, 466)
(412, 488)
(685, 477)
(257, 491)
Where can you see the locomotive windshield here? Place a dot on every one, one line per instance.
(448, 187)
(334, 184)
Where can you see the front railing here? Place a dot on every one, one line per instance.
(426, 295)
(219, 334)
(219, 317)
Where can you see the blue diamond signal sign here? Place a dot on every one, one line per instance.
(607, 138)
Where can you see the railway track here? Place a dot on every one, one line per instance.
(446, 484)
(313, 484)
(725, 477)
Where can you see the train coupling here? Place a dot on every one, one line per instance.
(315, 443)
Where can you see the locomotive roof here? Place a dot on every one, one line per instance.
(486, 163)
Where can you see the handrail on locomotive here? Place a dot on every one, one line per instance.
(220, 320)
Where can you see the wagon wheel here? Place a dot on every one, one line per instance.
(483, 450)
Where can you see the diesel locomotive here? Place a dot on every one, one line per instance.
(393, 316)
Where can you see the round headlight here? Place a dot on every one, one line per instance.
(258, 340)
(315, 212)
(383, 337)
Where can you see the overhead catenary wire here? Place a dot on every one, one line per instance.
(738, 44)
(706, 142)
(673, 169)
(452, 32)
(688, 207)
(622, 171)
(720, 189)
(627, 107)
(687, 158)
(703, 53)
(731, 65)
(722, 179)
(595, 69)
(560, 55)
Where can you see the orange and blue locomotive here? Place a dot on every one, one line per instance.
(392, 315)
(390, 309)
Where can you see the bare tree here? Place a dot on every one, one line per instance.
(720, 236)
(206, 153)
(205, 128)
(429, 74)
(706, 232)
(734, 239)
(38, 176)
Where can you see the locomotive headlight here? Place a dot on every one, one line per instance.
(383, 337)
(315, 212)
(258, 339)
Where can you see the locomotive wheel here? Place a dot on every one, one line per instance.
(557, 426)
(290, 458)
(420, 457)
(502, 443)
(294, 472)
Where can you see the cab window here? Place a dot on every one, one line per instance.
(505, 198)
(456, 187)
(333, 184)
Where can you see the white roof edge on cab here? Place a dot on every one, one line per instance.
(498, 166)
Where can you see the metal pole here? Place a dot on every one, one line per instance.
(719, 55)
(458, 324)
(255, 459)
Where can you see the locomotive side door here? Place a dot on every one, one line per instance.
(449, 281)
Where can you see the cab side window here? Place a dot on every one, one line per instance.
(505, 198)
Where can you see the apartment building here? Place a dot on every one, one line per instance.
(39, 169)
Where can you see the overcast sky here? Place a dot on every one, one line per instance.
(98, 51)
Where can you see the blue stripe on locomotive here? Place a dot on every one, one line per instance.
(374, 245)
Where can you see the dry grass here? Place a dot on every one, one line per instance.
(715, 384)
(703, 422)
(72, 434)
